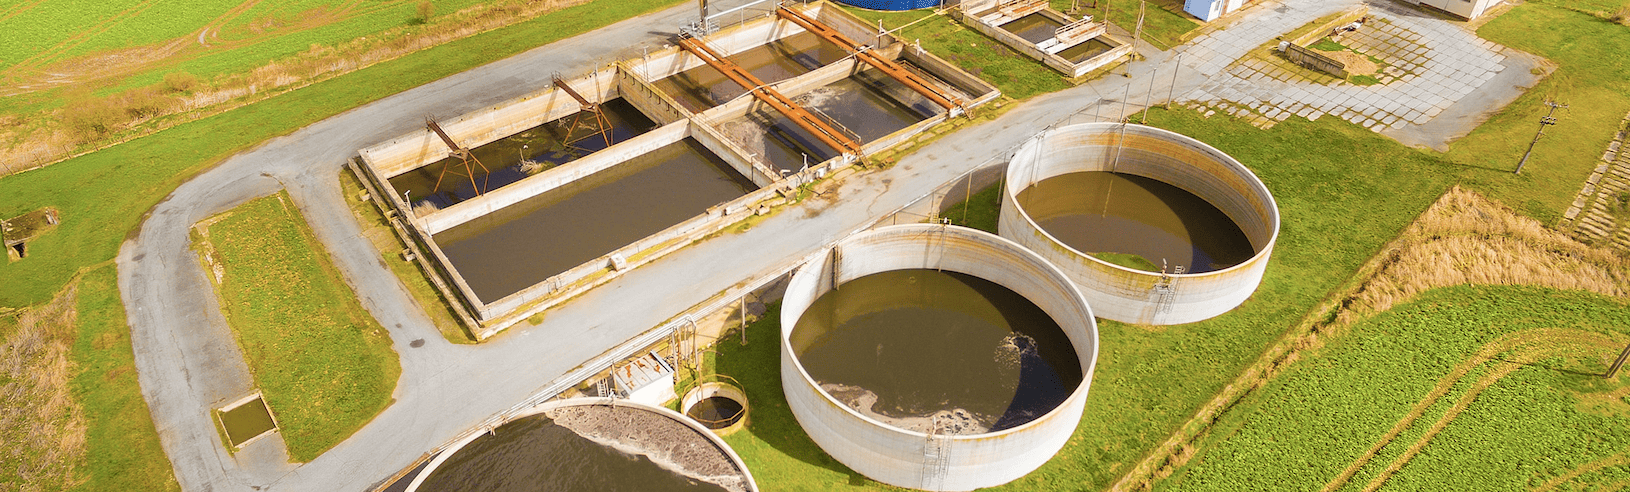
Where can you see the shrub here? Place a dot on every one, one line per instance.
(180, 81)
(91, 117)
(425, 10)
(145, 102)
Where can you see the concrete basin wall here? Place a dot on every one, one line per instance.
(1119, 48)
(480, 127)
(1135, 296)
(752, 486)
(913, 459)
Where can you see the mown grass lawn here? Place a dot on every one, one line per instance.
(324, 364)
(1018, 76)
(1552, 415)
(1592, 78)
(122, 447)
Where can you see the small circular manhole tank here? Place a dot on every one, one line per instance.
(589, 444)
(1153, 226)
(719, 404)
(936, 357)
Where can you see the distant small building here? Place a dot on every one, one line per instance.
(1209, 10)
(1469, 9)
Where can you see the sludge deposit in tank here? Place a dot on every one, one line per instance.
(1153, 226)
(936, 357)
(589, 445)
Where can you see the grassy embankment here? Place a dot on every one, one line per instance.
(103, 195)
(378, 232)
(1465, 388)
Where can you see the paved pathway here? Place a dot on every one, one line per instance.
(1598, 211)
(188, 363)
(1431, 65)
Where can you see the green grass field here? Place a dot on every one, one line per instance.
(1535, 408)
(325, 366)
(1593, 78)
(122, 450)
(1164, 22)
(1018, 76)
(243, 35)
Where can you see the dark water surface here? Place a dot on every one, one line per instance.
(543, 145)
(534, 454)
(860, 104)
(247, 421)
(1034, 28)
(510, 249)
(716, 412)
(1085, 51)
(926, 343)
(1103, 212)
(703, 87)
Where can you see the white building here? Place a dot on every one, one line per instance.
(1209, 10)
(1469, 9)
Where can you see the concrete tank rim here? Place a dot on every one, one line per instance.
(1273, 204)
(1081, 388)
(752, 485)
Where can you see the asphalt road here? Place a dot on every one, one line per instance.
(188, 362)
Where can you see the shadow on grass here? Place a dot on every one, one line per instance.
(757, 366)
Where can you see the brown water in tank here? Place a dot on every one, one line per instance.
(1085, 51)
(1034, 28)
(517, 246)
(920, 348)
(534, 454)
(716, 412)
(523, 154)
(246, 421)
(703, 87)
(1104, 212)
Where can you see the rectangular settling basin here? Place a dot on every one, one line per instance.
(1034, 28)
(508, 250)
(703, 87)
(518, 156)
(868, 105)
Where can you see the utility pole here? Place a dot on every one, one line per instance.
(1171, 93)
(1544, 121)
(1618, 363)
(1137, 34)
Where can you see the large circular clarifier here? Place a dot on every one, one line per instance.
(1153, 226)
(945, 358)
(589, 445)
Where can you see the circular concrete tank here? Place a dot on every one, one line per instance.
(526, 452)
(878, 447)
(718, 405)
(1153, 158)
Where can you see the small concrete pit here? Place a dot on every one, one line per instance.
(589, 445)
(1153, 226)
(936, 357)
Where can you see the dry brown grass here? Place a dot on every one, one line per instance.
(41, 424)
(1467, 239)
(62, 134)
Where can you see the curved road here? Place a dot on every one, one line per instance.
(188, 362)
